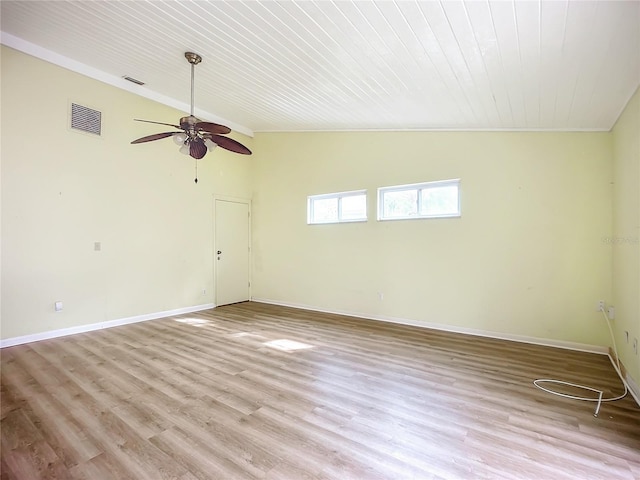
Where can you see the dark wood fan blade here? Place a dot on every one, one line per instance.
(158, 123)
(155, 136)
(197, 148)
(212, 127)
(229, 144)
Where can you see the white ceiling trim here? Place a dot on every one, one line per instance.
(447, 129)
(118, 82)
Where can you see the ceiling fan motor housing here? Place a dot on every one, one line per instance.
(189, 122)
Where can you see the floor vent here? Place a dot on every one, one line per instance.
(86, 119)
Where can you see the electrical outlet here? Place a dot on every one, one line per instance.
(611, 313)
(600, 306)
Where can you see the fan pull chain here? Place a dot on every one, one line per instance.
(196, 180)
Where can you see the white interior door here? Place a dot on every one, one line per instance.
(231, 251)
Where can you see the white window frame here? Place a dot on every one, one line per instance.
(418, 187)
(339, 195)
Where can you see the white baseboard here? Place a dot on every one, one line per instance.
(582, 347)
(623, 373)
(9, 342)
(634, 389)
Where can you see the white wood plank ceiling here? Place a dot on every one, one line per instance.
(345, 65)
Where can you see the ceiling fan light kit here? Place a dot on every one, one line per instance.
(196, 137)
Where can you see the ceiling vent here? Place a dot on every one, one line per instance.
(86, 119)
(133, 80)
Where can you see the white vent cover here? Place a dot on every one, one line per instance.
(86, 119)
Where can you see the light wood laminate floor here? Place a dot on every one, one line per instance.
(259, 391)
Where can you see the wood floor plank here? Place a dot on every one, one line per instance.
(256, 391)
(202, 461)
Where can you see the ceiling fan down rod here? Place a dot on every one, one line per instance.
(192, 84)
(193, 59)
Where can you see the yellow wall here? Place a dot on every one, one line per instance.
(625, 240)
(62, 191)
(526, 258)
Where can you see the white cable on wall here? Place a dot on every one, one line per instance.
(600, 393)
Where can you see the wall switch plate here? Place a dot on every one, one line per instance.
(611, 313)
(58, 306)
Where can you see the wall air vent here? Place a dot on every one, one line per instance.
(86, 119)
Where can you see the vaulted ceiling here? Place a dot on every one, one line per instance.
(348, 65)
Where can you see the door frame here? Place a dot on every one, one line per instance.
(246, 201)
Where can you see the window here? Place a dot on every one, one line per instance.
(421, 200)
(337, 207)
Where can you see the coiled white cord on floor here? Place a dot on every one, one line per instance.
(600, 393)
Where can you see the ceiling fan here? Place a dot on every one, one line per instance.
(195, 136)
